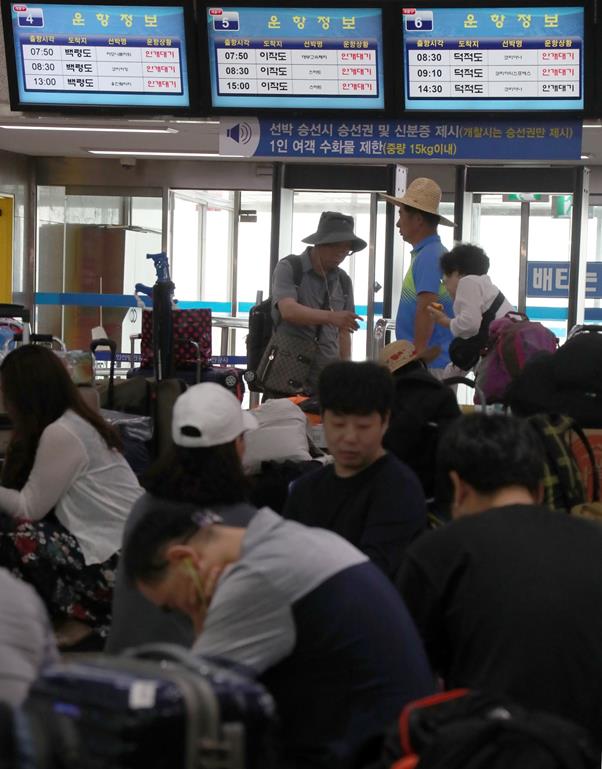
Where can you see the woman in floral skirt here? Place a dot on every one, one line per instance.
(66, 493)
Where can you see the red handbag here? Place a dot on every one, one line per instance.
(189, 326)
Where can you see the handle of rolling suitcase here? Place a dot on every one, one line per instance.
(47, 339)
(113, 348)
(235, 690)
(41, 339)
(15, 311)
(583, 328)
(203, 707)
(162, 651)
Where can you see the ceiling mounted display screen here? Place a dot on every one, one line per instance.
(295, 58)
(496, 58)
(98, 56)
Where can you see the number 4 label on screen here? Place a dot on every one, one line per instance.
(419, 21)
(29, 17)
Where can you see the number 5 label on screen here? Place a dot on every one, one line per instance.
(30, 17)
(226, 22)
(419, 21)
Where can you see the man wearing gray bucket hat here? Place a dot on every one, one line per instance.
(418, 220)
(319, 304)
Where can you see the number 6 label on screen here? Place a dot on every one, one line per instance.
(419, 21)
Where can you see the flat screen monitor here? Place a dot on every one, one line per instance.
(493, 58)
(97, 56)
(295, 58)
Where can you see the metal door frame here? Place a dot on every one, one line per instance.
(336, 178)
(574, 180)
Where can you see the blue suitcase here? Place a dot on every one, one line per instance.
(159, 707)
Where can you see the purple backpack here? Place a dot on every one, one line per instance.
(513, 340)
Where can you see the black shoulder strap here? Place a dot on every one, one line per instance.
(296, 263)
(297, 266)
(489, 314)
(487, 317)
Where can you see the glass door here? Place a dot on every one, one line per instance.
(528, 240)
(307, 208)
(220, 254)
(593, 283)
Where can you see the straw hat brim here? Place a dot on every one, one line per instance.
(428, 356)
(413, 204)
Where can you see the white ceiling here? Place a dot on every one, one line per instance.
(190, 136)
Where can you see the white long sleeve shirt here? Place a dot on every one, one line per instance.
(27, 643)
(91, 487)
(474, 295)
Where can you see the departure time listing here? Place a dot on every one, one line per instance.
(328, 69)
(97, 63)
(505, 68)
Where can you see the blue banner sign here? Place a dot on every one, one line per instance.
(551, 280)
(396, 140)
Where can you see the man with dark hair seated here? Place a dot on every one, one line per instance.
(367, 495)
(306, 611)
(507, 596)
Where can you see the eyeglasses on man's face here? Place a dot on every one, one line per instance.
(341, 248)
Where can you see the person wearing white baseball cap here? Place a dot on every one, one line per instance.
(418, 220)
(209, 415)
(202, 469)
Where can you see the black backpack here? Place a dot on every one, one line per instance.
(423, 408)
(465, 353)
(464, 729)
(568, 381)
(564, 487)
(261, 326)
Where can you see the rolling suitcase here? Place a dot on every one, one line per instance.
(159, 707)
(229, 377)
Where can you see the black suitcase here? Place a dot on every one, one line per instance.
(159, 707)
(229, 377)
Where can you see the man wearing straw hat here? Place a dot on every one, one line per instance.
(418, 220)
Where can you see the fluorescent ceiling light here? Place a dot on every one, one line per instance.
(93, 129)
(201, 122)
(586, 157)
(592, 125)
(158, 153)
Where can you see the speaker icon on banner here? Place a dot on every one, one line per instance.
(239, 136)
(241, 133)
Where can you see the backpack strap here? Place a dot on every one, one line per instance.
(592, 459)
(297, 266)
(490, 313)
(551, 429)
